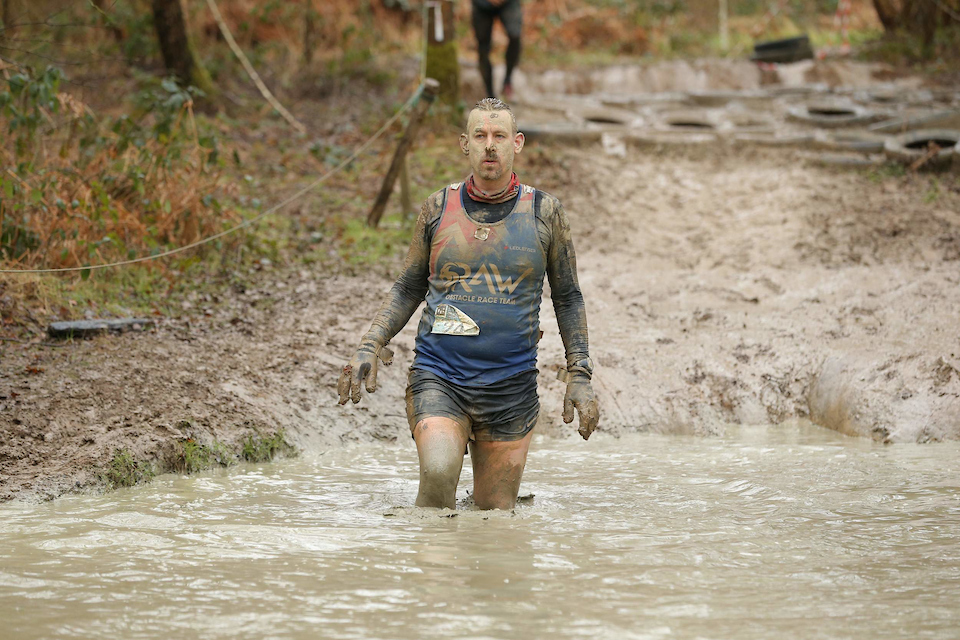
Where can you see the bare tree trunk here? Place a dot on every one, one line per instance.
(6, 16)
(107, 20)
(179, 56)
(919, 17)
(309, 31)
(914, 19)
(929, 16)
(887, 13)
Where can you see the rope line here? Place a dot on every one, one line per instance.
(251, 71)
(246, 223)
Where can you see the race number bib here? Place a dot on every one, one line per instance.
(453, 322)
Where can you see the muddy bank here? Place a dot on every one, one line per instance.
(265, 360)
(751, 287)
(722, 287)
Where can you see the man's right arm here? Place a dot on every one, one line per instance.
(405, 296)
(411, 286)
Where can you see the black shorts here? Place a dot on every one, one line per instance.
(503, 411)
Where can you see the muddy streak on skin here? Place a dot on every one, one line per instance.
(411, 286)
(441, 461)
(503, 493)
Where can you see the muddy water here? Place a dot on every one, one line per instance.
(786, 532)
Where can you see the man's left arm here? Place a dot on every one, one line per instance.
(571, 318)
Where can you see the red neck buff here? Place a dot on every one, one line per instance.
(508, 193)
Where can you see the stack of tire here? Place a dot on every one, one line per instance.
(915, 146)
(786, 50)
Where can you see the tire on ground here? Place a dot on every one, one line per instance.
(944, 119)
(910, 147)
(855, 161)
(723, 98)
(692, 120)
(604, 115)
(561, 132)
(792, 141)
(748, 122)
(831, 115)
(655, 139)
(786, 50)
(850, 141)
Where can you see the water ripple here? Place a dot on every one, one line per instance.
(792, 532)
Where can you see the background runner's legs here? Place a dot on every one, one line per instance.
(441, 443)
(497, 470)
(511, 16)
(483, 28)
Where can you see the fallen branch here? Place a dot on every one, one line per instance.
(932, 151)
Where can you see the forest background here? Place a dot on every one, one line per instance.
(114, 149)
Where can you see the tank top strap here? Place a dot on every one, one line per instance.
(527, 194)
(452, 202)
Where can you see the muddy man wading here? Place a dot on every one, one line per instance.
(478, 257)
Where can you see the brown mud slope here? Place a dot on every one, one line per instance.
(751, 288)
(721, 287)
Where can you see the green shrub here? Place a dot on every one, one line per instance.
(193, 456)
(260, 448)
(125, 471)
(83, 189)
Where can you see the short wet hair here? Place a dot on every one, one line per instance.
(495, 104)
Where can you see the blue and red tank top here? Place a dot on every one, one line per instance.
(481, 323)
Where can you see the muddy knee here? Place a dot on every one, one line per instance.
(438, 484)
(439, 475)
(440, 444)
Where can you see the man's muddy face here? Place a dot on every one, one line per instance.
(491, 145)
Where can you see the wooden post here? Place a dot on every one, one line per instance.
(427, 95)
(723, 14)
(442, 62)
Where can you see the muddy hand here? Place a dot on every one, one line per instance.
(580, 396)
(361, 369)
